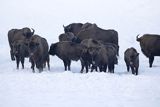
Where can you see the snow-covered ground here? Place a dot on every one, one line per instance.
(59, 88)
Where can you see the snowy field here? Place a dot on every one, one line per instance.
(59, 88)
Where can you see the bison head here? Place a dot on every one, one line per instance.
(52, 50)
(67, 28)
(27, 32)
(133, 58)
(33, 47)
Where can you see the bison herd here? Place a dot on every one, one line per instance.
(96, 48)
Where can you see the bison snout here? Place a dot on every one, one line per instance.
(31, 54)
(93, 62)
(131, 63)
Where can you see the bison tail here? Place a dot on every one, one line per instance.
(138, 39)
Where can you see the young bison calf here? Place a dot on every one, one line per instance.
(131, 58)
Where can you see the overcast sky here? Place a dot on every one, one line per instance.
(48, 16)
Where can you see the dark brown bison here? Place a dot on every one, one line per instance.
(112, 56)
(66, 51)
(88, 46)
(20, 50)
(96, 33)
(131, 58)
(99, 58)
(73, 27)
(150, 46)
(18, 34)
(96, 54)
(38, 50)
(91, 47)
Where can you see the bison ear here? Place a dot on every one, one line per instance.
(137, 54)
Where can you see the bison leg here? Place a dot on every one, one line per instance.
(65, 65)
(112, 67)
(17, 61)
(32, 66)
(22, 62)
(82, 68)
(151, 59)
(83, 64)
(136, 71)
(12, 55)
(105, 68)
(69, 65)
(48, 63)
(86, 66)
(100, 68)
(128, 67)
(133, 71)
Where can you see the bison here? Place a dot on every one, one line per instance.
(66, 51)
(20, 50)
(112, 56)
(73, 27)
(91, 46)
(150, 46)
(131, 58)
(18, 34)
(96, 54)
(99, 58)
(88, 45)
(96, 33)
(38, 50)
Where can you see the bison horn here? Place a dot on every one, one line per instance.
(33, 31)
(63, 26)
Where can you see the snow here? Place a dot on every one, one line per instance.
(59, 88)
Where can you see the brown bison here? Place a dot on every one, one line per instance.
(20, 50)
(91, 47)
(38, 50)
(88, 46)
(150, 46)
(96, 54)
(99, 58)
(131, 57)
(18, 34)
(73, 27)
(112, 56)
(96, 33)
(66, 51)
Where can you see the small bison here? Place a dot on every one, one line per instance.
(150, 46)
(131, 58)
(38, 50)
